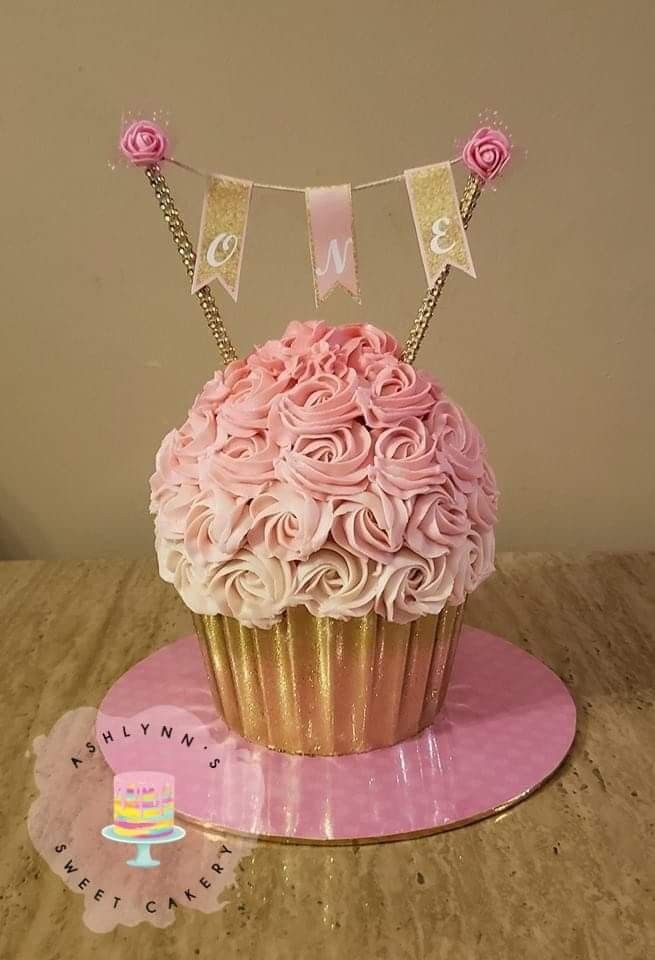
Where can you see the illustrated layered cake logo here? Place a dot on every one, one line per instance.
(144, 813)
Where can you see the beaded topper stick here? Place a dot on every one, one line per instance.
(145, 145)
(485, 154)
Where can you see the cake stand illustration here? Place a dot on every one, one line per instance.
(143, 857)
(144, 808)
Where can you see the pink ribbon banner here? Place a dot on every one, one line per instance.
(332, 240)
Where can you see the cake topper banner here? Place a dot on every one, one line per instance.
(440, 220)
(222, 234)
(332, 240)
(437, 219)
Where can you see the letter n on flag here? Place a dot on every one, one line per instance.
(332, 240)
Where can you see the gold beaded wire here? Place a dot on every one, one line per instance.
(470, 197)
(187, 254)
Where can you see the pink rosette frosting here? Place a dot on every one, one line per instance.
(404, 460)
(363, 345)
(336, 583)
(473, 563)
(460, 450)
(254, 590)
(240, 465)
(175, 504)
(371, 524)
(329, 465)
(323, 470)
(411, 586)
(288, 523)
(315, 405)
(216, 526)
(246, 408)
(439, 522)
(398, 391)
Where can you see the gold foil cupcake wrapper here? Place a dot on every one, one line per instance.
(315, 685)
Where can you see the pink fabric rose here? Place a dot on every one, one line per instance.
(404, 460)
(253, 589)
(438, 522)
(144, 143)
(487, 153)
(333, 582)
(328, 465)
(288, 523)
(371, 524)
(397, 391)
(242, 466)
(459, 446)
(215, 528)
(411, 586)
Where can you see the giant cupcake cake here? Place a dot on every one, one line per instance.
(324, 511)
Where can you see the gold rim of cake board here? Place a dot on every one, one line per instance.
(386, 838)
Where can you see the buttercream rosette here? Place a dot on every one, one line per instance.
(322, 470)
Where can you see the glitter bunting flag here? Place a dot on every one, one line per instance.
(222, 234)
(437, 218)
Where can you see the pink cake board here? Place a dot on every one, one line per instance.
(507, 724)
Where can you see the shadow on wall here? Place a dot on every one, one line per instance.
(21, 537)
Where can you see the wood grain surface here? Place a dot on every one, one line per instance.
(565, 874)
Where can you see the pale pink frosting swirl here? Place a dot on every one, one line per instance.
(473, 562)
(189, 580)
(316, 405)
(363, 345)
(254, 590)
(251, 391)
(323, 470)
(439, 522)
(328, 465)
(411, 586)
(242, 466)
(216, 526)
(288, 523)
(404, 460)
(173, 504)
(398, 391)
(334, 582)
(371, 524)
(483, 501)
(459, 446)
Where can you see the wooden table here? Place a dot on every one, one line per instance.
(565, 874)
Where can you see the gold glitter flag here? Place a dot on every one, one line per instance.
(222, 233)
(438, 222)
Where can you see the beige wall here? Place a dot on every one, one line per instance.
(550, 350)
